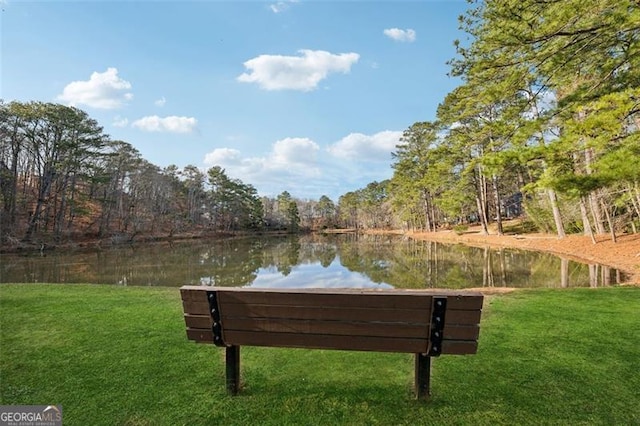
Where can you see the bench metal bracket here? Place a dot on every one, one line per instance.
(214, 310)
(437, 325)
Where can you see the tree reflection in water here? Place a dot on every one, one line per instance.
(345, 260)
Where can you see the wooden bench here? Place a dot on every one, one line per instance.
(426, 323)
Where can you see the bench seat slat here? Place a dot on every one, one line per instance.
(323, 341)
(412, 316)
(459, 347)
(198, 321)
(343, 298)
(200, 332)
(357, 343)
(452, 332)
(461, 332)
(462, 317)
(345, 328)
(465, 302)
(375, 298)
(416, 316)
(196, 307)
(371, 299)
(200, 335)
(193, 293)
(452, 316)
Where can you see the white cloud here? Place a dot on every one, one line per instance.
(295, 151)
(160, 102)
(304, 72)
(120, 121)
(171, 124)
(397, 34)
(300, 166)
(222, 156)
(103, 90)
(281, 6)
(291, 163)
(287, 154)
(377, 147)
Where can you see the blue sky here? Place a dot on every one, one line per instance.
(304, 96)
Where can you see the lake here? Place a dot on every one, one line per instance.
(343, 260)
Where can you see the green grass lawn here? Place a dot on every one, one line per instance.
(117, 355)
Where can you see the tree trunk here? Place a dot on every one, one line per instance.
(59, 214)
(596, 212)
(610, 222)
(496, 197)
(434, 222)
(481, 201)
(635, 201)
(482, 216)
(60, 210)
(43, 194)
(586, 223)
(8, 184)
(12, 178)
(425, 208)
(557, 217)
(72, 204)
(594, 197)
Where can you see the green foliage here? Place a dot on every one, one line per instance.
(539, 214)
(367, 207)
(235, 205)
(327, 211)
(621, 164)
(294, 216)
(549, 100)
(521, 227)
(460, 229)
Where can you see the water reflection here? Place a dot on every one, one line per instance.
(309, 261)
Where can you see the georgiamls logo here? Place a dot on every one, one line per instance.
(34, 415)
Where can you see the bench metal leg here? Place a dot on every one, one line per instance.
(233, 369)
(423, 376)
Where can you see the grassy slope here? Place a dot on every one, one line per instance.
(114, 355)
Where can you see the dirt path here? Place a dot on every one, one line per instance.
(623, 255)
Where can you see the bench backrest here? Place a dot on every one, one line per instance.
(413, 321)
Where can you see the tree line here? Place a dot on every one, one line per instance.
(546, 120)
(62, 178)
